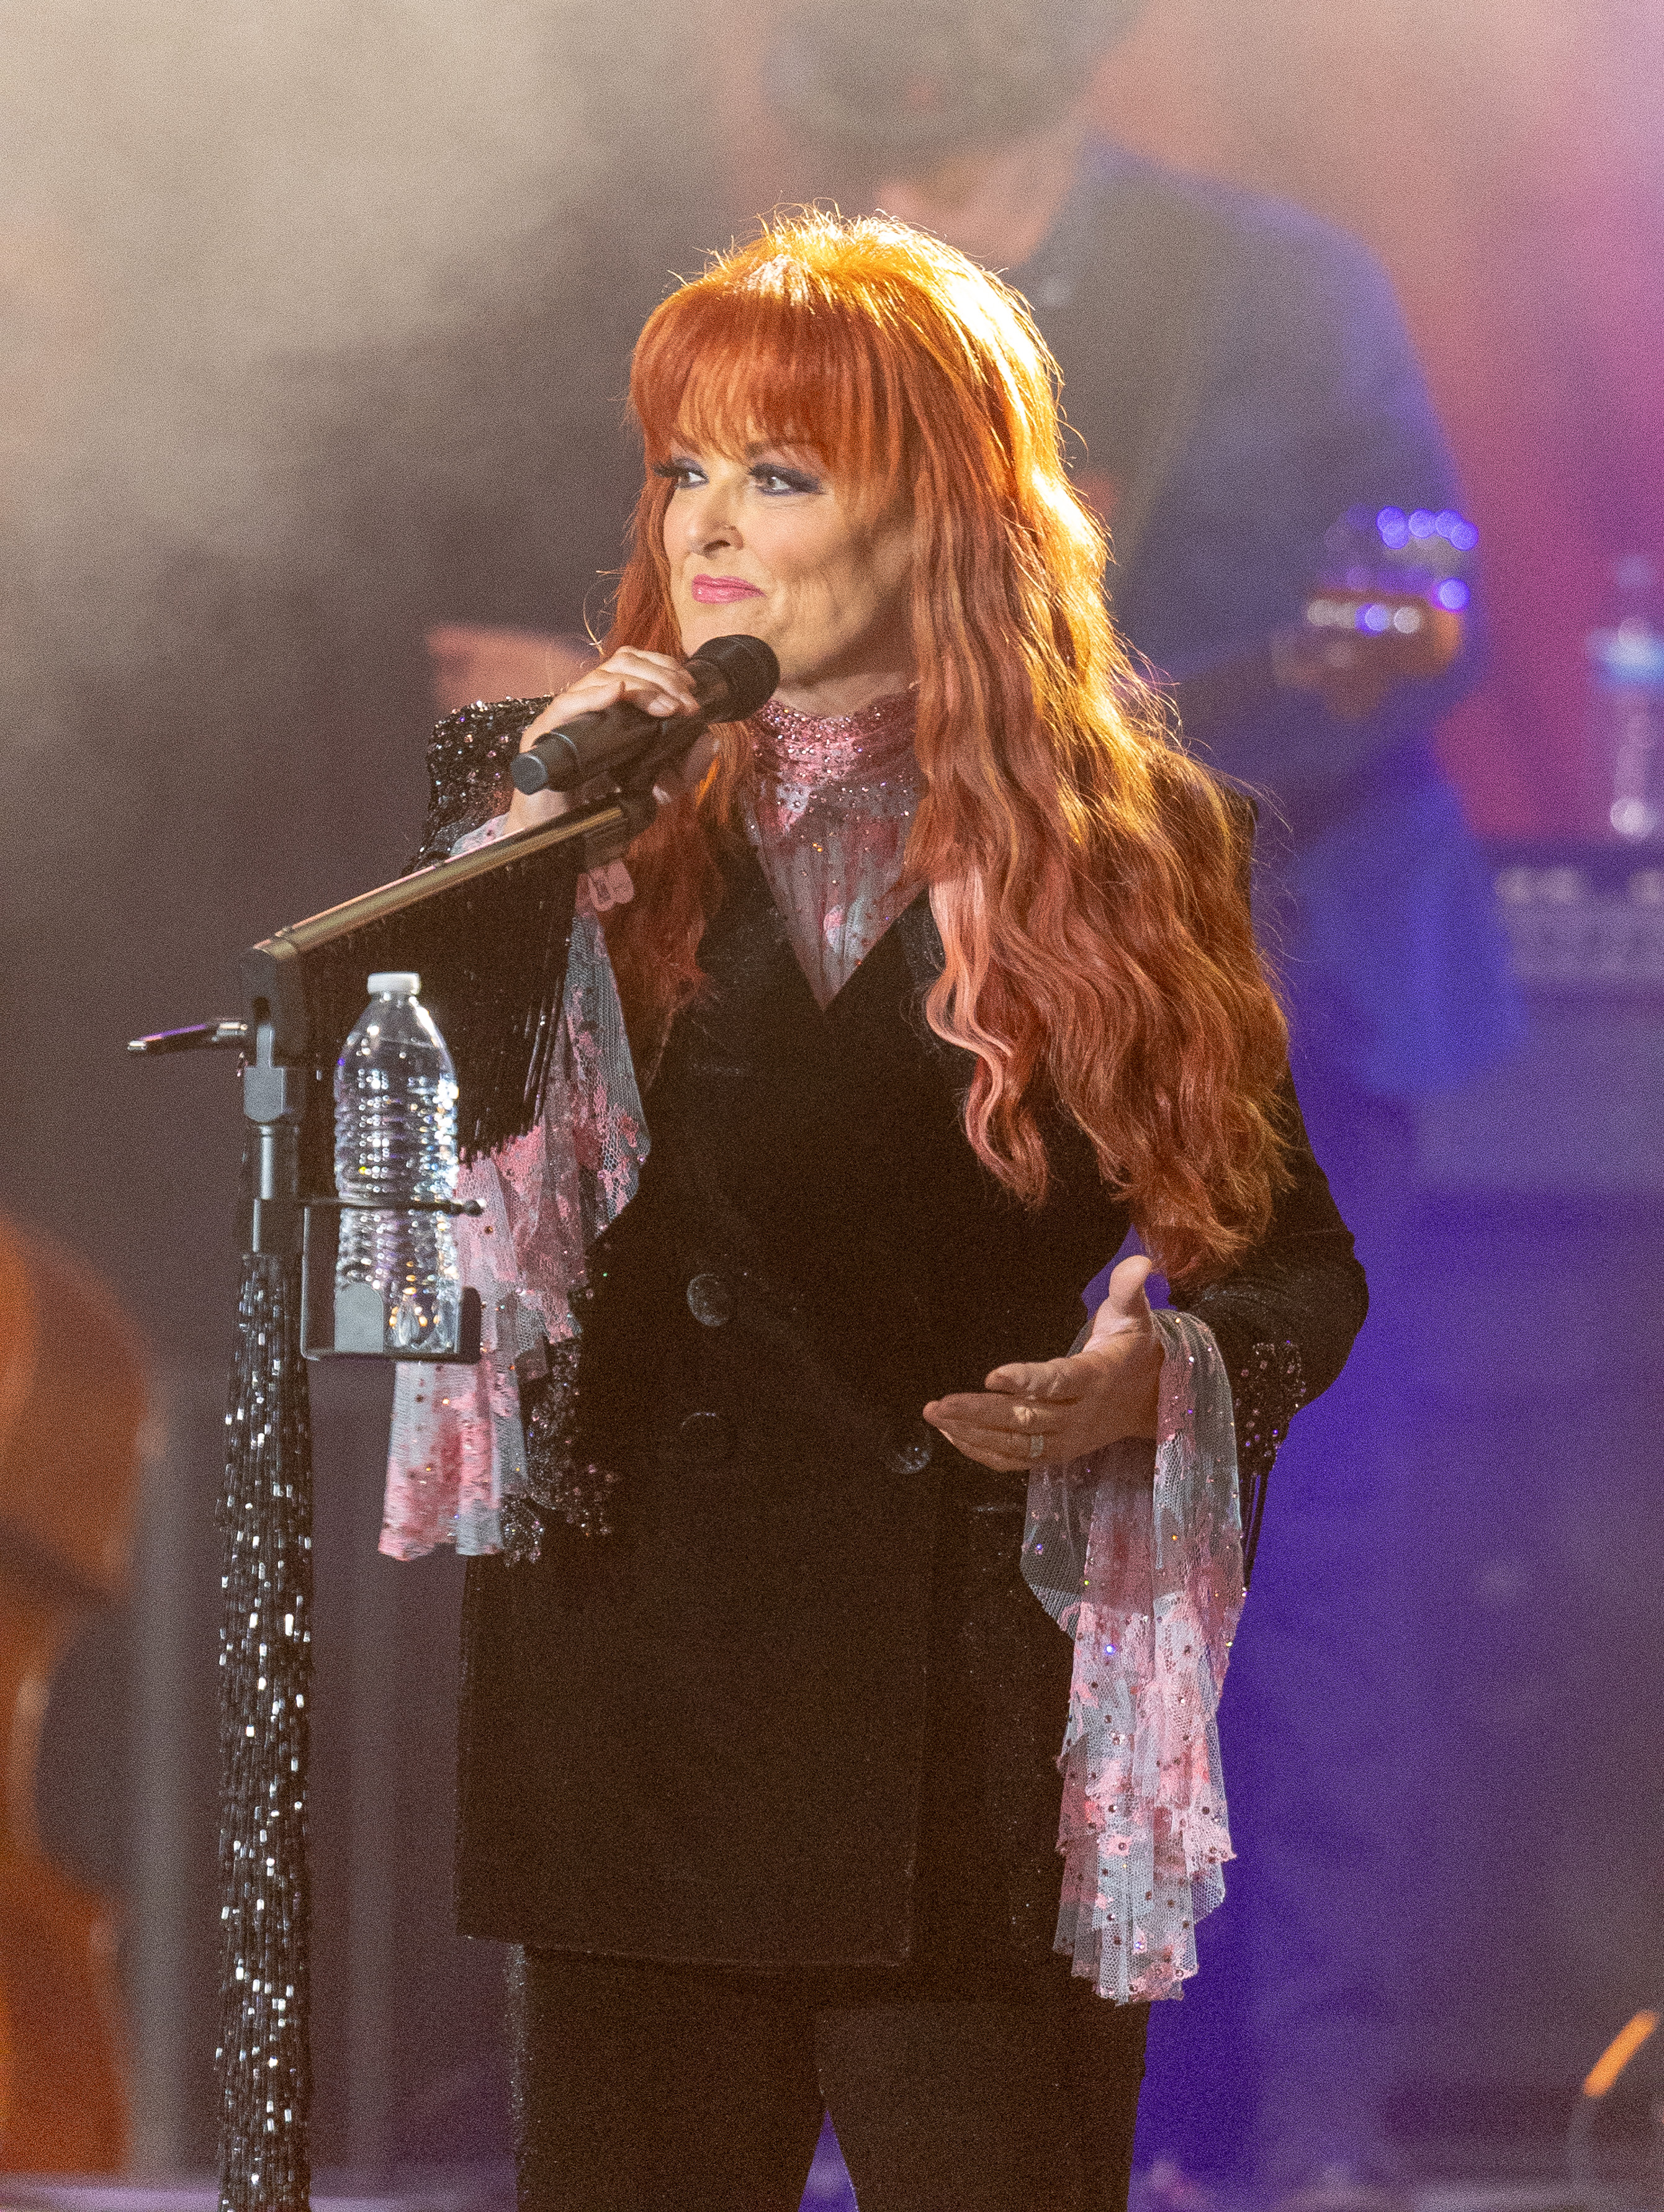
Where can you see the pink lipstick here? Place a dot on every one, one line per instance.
(722, 591)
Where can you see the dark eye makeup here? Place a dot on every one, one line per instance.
(772, 477)
(775, 472)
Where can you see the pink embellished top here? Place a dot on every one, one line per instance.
(830, 812)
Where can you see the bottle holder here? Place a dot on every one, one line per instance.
(351, 1322)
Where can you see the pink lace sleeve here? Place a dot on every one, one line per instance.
(1137, 1554)
(457, 1455)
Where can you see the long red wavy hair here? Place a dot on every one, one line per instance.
(1086, 875)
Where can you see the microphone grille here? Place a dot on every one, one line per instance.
(749, 672)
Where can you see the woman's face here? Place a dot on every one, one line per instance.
(767, 545)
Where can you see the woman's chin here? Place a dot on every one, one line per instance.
(733, 618)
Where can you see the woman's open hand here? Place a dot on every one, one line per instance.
(1108, 1389)
(651, 681)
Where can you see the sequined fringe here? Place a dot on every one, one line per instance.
(492, 955)
(265, 1660)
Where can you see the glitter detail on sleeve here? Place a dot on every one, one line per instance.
(1269, 1388)
(469, 759)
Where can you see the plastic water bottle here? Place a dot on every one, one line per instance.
(1627, 667)
(395, 1140)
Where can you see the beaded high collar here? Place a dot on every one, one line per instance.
(800, 754)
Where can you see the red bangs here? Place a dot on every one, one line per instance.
(843, 337)
(723, 371)
(866, 342)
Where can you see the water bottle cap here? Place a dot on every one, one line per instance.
(395, 982)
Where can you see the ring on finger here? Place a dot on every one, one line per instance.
(1036, 1446)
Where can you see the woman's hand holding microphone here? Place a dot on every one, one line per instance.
(651, 681)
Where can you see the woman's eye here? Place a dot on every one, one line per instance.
(775, 481)
(681, 474)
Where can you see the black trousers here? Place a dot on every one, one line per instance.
(648, 2089)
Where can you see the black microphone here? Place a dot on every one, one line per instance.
(731, 677)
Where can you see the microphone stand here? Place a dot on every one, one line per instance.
(264, 1507)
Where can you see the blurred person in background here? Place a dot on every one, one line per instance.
(1237, 376)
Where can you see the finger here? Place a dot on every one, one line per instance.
(603, 889)
(987, 1454)
(657, 673)
(996, 1413)
(998, 1431)
(591, 691)
(658, 686)
(648, 689)
(1052, 1381)
(644, 658)
(1126, 1303)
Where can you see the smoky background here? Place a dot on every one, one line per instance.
(315, 327)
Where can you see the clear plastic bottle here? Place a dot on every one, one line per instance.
(1626, 670)
(395, 1140)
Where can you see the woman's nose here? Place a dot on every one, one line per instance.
(709, 522)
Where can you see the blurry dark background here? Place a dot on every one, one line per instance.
(313, 332)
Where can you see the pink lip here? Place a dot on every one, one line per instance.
(722, 591)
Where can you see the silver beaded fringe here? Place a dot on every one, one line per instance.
(265, 1680)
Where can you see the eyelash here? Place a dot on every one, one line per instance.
(793, 480)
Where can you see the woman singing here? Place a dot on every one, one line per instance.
(938, 978)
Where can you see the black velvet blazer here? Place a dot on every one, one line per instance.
(725, 1731)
